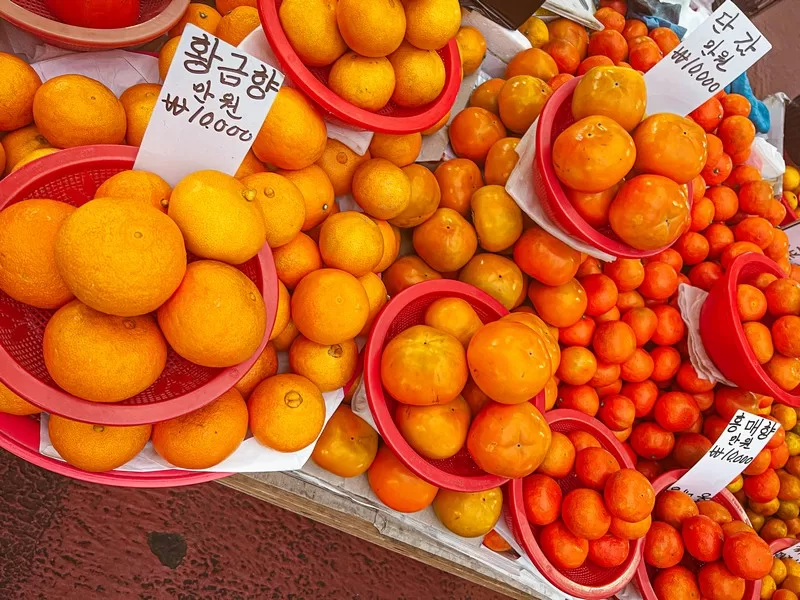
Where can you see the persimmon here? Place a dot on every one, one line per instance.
(693, 247)
(716, 582)
(534, 62)
(737, 249)
(565, 54)
(396, 486)
(786, 335)
(783, 297)
(615, 92)
(608, 551)
(473, 131)
(709, 114)
(614, 342)
(605, 375)
(670, 328)
(485, 95)
(610, 43)
(578, 366)
(560, 306)
(639, 367)
(437, 431)
(610, 19)
(643, 395)
(497, 276)
(500, 161)
(629, 495)
(594, 465)
(666, 39)
(560, 457)
(671, 146)
(649, 440)
(590, 63)
(617, 412)
(546, 258)
(584, 513)
(660, 281)
(666, 362)
(755, 197)
(630, 300)
(561, 547)
(633, 28)
(578, 334)
(521, 100)
(718, 172)
(626, 530)
(663, 546)
(644, 57)
(541, 496)
(676, 411)
(737, 133)
(690, 448)
(702, 214)
(458, 179)
(676, 583)
(572, 32)
(579, 397)
(626, 273)
(589, 266)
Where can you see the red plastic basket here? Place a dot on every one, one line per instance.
(156, 17)
(73, 176)
(723, 335)
(782, 544)
(791, 214)
(587, 581)
(20, 436)
(391, 118)
(556, 116)
(752, 589)
(406, 309)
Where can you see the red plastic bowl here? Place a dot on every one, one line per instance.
(752, 590)
(391, 118)
(156, 17)
(406, 309)
(20, 436)
(556, 116)
(587, 581)
(723, 335)
(782, 544)
(73, 176)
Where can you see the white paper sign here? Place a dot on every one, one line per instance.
(745, 436)
(793, 231)
(213, 102)
(723, 47)
(792, 552)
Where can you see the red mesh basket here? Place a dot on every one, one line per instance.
(588, 581)
(752, 590)
(723, 335)
(391, 118)
(73, 176)
(156, 17)
(20, 436)
(406, 309)
(782, 544)
(556, 116)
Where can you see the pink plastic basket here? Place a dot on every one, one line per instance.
(752, 589)
(73, 176)
(406, 309)
(723, 335)
(390, 119)
(156, 17)
(20, 436)
(588, 581)
(556, 116)
(782, 544)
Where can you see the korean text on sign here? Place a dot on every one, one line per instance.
(745, 436)
(723, 47)
(792, 552)
(212, 105)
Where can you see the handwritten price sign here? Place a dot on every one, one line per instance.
(212, 105)
(745, 436)
(723, 47)
(792, 552)
(793, 231)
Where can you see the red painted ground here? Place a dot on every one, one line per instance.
(64, 539)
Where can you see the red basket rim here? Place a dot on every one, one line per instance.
(567, 217)
(727, 285)
(376, 397)
(782, 544)
(93, 39)
(524, 533)
(20, 437)
(752, 589)
(340, 108)
(52, 400)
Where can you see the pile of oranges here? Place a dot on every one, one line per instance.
(783, 581)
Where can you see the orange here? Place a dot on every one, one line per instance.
(702, 538)
(28, 269)
(329, 367)
(755, 230)
(96, 448)
(610, 43)
(497, 276)
(784, 371)
(12, 404)
(283, 340)
(352, 242)
(396, 486)
(424, 196)
(371, 28)
(330, 306)
(391, 245)
(560, 306)
(509, 361)
(446, 241)
(377, 297)
(339, 163)
(542, 498)
(436, 127)
(295, 260)
(521, 100)
(423, 366)
(287, 412)
(594, 465)
(238, 24)
(783, 297)
(593, 154)
(469, 514)
(367, 83)
(138, 186)
(673, 507)
(534, 62)
(501, 160)
(485, 95)
(786, 336)
(608, 551)
(760, 341)
(593, 62)
(420, 74)
(614, 92)
(663, 547)
(35, 155)
(218, 216)
(560, 458)
(748, 556)
(737, 133)
(437, 431)
(205, 437)
(472, 48)
(430, 24)
(402, 150)
(601, 293)
(718, 583)
(312, 30)
(293, 135)
(626, 273)
(21, 143)
(166, 56)
(454, 316)
(100, 357)
(585, 514)
(509, 440)
(282, 206)
(473, 132)
(566, 56)
(407, 271)
(347, 445)
(458, 180)
(629, 495)
(266, 365)
(19, 84)
(317, 192)
(139, 102)
(120, 257)
(545, 258)
(633, 28)
(201, 15)
(216, 318)
(381, 189)
(73, 110)
(562, 548)
(282, 313)
(226, 6)
(611, 19)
